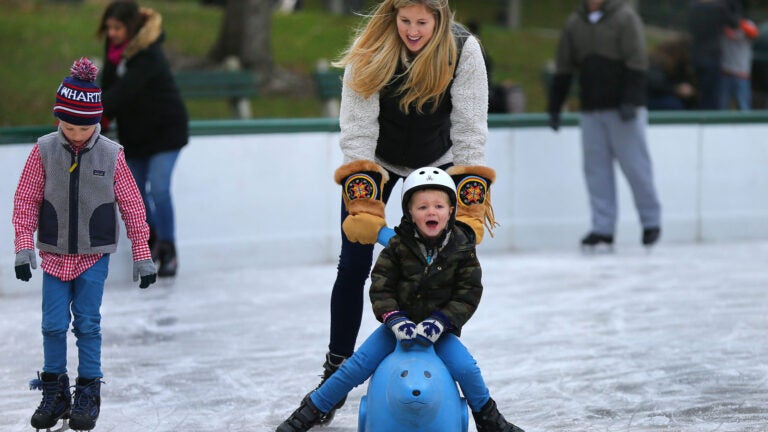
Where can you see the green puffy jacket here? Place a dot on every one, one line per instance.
(452, 285)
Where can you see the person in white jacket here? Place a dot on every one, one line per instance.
(415, 93)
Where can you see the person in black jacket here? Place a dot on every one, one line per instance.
(140, 94)
(671, 79)
(707, 19)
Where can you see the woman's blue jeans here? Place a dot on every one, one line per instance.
(347, 299)
(153, 177)
(356, 369)
(82, 296)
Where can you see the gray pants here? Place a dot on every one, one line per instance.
(605, 137)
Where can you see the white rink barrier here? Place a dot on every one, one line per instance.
(268, 198)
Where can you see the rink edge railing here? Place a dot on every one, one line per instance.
(709, 168)
(29, 134)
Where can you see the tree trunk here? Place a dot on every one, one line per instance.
(245, 34)
(513, 14)
(342, 7)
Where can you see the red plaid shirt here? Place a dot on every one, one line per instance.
(29, 198)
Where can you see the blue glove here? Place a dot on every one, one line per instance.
(385, 233)
(403, 328)
(25, 259)
(429, 330)
(145, 269)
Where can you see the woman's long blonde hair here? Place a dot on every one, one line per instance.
(377, 50)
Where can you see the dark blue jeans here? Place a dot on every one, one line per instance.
(735, 89)
(156, 172)
(347, 300)
(710, 83)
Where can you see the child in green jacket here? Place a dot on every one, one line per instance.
(428, 274)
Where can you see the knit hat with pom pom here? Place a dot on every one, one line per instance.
(78, 99)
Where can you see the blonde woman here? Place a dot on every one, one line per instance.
(415, 94)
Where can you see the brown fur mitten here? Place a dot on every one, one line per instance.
(473, 188)
(362, 183)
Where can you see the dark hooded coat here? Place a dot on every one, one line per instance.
(141, 95)
(451, 285)
(609, 58)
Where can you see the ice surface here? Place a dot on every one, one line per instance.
(672, 340)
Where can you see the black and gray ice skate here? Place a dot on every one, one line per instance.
(55, 405)
(332, 364)
(489, 419)
(651, 236)
(85, 404)
(302, 420)
(594, 242)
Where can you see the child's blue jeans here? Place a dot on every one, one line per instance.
(82, 296)
(356, 369)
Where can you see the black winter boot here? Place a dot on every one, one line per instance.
(305, 416)
(332, 364)
(651, 236)
(166, 252)
(86, 404)
(489, 419)
(56, 399)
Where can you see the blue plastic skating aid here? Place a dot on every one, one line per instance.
(412, 391)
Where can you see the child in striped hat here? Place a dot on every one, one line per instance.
(78, 99)
(73, 182)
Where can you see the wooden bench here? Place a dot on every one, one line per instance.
(328, 83)
(238, 86)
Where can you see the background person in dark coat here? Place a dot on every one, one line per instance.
(760, 68)
(604, 42)
(706, 21)
(140, 94)
(671, 81)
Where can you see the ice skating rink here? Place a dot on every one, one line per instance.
(672, 340)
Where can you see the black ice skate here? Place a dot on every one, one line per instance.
(86, 404)
(651, 236)
(301, 420)
(489, 419)
(331, 365)
(168, 262)
(594, 242)
(55, 405)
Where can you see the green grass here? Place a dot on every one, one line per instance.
(41, 39)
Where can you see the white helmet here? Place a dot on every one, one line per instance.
(428, 178)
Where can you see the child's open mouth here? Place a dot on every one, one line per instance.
(432, 224)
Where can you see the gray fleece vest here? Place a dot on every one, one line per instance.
(79, 213)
